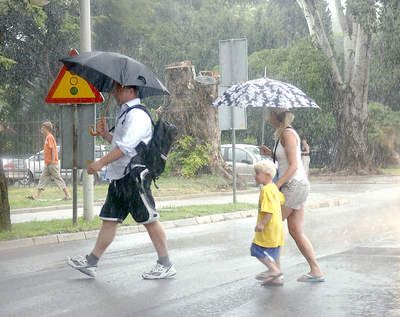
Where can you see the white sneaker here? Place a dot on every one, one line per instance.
(160, 271)
(80, 263)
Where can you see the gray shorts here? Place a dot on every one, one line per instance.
(51, 172)
(296, 193)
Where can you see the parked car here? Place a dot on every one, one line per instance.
(15, 170)
(35, 165)
(246, 156)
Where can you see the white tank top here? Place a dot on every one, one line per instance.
(283, 162)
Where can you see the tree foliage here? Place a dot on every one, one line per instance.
(32, 39)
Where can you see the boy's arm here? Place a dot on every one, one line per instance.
(263, 221)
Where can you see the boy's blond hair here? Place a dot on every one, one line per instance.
(265, 166)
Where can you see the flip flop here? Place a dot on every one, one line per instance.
(272, 280)
(308, 278)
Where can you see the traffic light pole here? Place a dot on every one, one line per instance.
(75, 165)
(86, 46)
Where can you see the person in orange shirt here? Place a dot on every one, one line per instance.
(51, 170)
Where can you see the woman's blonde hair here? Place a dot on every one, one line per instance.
(285, 119)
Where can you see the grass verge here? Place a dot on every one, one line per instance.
(168, 186)
(391, 171)
(41, 228)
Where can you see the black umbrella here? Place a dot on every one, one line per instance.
(103, 68)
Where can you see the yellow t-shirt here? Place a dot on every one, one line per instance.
(270, 201)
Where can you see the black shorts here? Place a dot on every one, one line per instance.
(130, 195)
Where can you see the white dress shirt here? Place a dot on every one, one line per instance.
(130, 129)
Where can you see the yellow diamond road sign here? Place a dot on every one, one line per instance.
(69, 88)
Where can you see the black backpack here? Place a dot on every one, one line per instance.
(154, 155)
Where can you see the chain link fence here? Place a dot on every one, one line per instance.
(22, 150)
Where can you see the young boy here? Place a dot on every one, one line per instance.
(268, 236)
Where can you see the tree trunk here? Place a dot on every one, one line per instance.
(5, 221)
(351, 122)
(190, 109)
(351, 88)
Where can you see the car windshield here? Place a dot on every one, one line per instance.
(256, 152)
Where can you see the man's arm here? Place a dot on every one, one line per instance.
(102, 128)
(53, 152)
(112, 156)
(108, 137)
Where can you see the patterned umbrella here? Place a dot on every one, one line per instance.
(265, 92)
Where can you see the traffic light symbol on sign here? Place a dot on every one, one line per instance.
(69, 88)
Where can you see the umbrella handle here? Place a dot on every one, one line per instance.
(92, 131)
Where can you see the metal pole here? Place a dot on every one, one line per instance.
(85, 31)
(75, 165)
(233, 154)
(86, 46)
(263, 127)
(263, 115)
(233, 81)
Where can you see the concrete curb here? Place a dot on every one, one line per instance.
(164, 198)
(86, 235)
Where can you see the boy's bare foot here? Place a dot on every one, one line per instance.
(263, 275)
(273, 280)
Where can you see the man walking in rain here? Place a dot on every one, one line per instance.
(51, 169)
(131, 128)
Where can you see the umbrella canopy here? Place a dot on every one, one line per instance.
(103, 68)
(265, 92)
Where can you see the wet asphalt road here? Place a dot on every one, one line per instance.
(358, 245)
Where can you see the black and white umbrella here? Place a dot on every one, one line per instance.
(265, 92)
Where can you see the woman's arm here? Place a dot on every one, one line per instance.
(264, 150)
(306, 149)
(289, 142)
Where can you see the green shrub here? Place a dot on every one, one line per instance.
(188, 158)
(384, 135)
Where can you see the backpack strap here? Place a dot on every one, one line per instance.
(126, 111)
(141, 107)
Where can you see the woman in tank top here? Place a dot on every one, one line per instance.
(294, 184)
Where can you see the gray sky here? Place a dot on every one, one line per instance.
(335, 22)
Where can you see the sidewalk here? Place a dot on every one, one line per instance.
(158, 199)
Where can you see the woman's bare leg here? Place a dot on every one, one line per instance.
(295, 225)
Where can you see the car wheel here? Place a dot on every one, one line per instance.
(27, 180)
